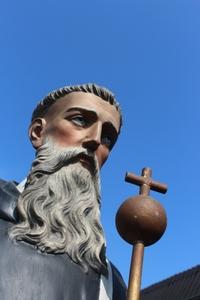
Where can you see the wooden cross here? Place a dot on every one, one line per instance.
(145, 182)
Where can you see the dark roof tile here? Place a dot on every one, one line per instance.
(182, 286)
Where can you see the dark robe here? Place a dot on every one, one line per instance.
(27, 274)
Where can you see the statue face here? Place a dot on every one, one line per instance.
(83, 119)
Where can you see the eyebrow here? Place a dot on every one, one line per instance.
(94, 113)
(82, 109)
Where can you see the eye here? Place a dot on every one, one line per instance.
(79, 120)
(107, 140)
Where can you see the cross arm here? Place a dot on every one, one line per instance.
(140, 180)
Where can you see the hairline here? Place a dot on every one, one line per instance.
(46, 103)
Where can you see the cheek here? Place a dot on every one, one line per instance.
(61, 133)
(102, 154)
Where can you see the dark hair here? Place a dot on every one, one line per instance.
(43, 106)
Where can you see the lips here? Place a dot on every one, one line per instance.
(87, 162)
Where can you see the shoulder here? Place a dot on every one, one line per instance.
(8, 200)
(119, 286)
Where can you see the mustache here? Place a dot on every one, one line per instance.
(50, 158)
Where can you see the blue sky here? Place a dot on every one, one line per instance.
(147, 52)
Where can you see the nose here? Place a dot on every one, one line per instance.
(93, 137)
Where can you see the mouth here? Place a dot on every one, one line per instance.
(87, 162)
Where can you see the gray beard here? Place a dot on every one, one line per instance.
(59, 208)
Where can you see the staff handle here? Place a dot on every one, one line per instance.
(135, 272)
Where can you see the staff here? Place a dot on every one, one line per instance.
(141, 221)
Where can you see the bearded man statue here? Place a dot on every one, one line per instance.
(51, 237)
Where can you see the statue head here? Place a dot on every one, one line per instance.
(73, 131)
(85, 115)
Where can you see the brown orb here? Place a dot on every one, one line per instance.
(141, 218)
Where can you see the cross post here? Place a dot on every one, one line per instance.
(145, 182)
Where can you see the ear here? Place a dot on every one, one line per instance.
(36, 131)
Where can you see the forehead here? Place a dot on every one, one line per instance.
(88, 101)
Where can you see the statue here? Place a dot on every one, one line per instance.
(51, 237)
